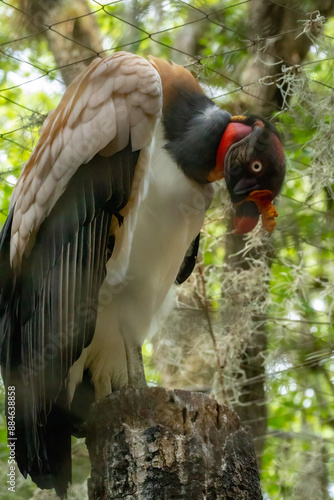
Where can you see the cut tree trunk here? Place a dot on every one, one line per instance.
(155, 444)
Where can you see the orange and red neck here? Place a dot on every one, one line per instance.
(235, 131)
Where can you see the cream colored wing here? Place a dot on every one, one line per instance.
(116, 99)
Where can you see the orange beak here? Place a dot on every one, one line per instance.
(262, 199)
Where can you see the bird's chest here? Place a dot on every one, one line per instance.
(169, 219)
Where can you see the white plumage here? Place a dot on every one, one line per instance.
(135, 297)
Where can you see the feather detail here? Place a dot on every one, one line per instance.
(94, 115)
(174, 77)
(117, 265)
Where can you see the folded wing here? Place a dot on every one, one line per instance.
(67, 205)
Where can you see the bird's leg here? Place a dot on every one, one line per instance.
(135, 315)
(134, 356)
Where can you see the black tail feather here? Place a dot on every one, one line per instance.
(46, 457)
(84, 397)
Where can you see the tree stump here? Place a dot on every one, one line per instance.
(154, 444)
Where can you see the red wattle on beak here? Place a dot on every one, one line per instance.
(246, 217)
(244, 224)
(248, 212)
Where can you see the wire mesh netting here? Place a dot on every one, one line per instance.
(254, 324)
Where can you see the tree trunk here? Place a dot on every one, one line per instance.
(157, 444)
(70, 29)
(279, 43)
(279, 22)
(251, 407)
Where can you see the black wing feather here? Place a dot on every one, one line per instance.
(189, 262)
(48, 315)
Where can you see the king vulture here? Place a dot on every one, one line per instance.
(104, 218)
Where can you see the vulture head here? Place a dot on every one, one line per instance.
(251, 159)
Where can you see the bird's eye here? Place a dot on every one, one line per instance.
(256, 166)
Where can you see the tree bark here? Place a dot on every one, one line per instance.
(156, 444)
(275, 26)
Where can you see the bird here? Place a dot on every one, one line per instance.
(104, 219)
